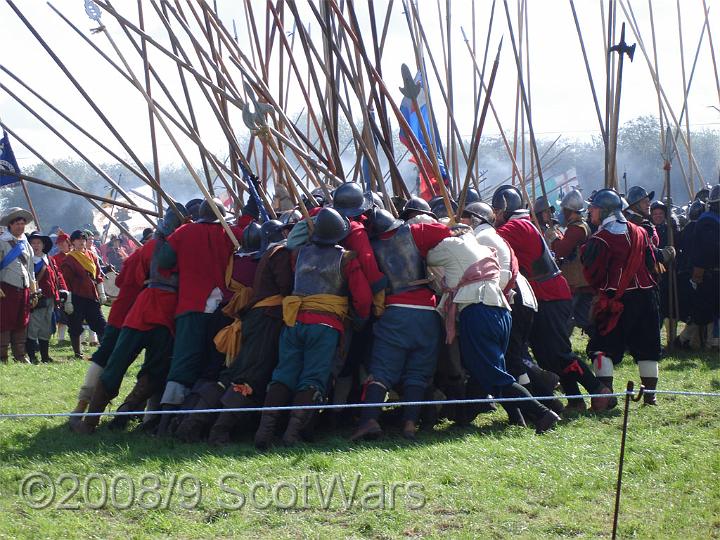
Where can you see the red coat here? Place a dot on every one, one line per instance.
(130, 287)
(152, 307)
(526, 242)
(202, 253)
(359, 242)
(51, 281)
(605, 257)
(78, 280)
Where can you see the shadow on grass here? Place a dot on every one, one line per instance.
(132, 447)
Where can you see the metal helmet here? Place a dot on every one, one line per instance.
(330, 227)
(695, 210)
(609, 202)
(573, 200)
(714, 196)
(290, 217)
(251, 238)
(193, 207)
(437, 205)
(319, 198)
(377, 201)
(508, 199)
(271, 231)
(350, 201)
(481, 211)
(541, 204)
(703, 193)
(172, 220)
(416, 205)
(472, 196)
(382, 221)
(206, 214)
(659, 204)
(637, 193)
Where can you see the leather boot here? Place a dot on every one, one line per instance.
(650, 383)
(134, 401)
(544, 418)
(164, 427)
(228, 422)
(193, 426)
(299, 424)
(45, 351)
(515, 417)
(100, 399)
(543, 381)
(17, 344)
(369, 427)
(4, 345)
(31, 347)
(76, 347)
(570, 388)
(581, 372)
(278, 395)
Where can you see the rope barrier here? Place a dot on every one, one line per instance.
(358, 405)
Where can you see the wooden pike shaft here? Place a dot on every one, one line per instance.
(30, 204)
(685, 99)
(533, 142)
(174, 142)
(712, 49)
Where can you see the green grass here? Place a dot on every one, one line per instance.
(486, 481)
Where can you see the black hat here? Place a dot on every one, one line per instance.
(46, 240)
(146, 234)
(350, 201)
(330, 227)
(77, 234)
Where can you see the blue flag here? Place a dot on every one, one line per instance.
(7, 162)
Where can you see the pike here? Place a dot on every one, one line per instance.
(478, 133)
(668, 154)
(622, 48)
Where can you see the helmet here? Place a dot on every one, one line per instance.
(437, 205)
(251, 238)
(637, 193)
(481, 211)
(573, 200)
(508, 199)
(271, 232)
(696, 208)
(206, 214)
(319, 196)
(350, 201)
(172, 220)
(417, 205)
(377, 201)
(541, 204)
(290, 217)
(382, 221)
(193, 207)
(714, 196)
(472, 196)
(330, 227)
(609, 202)
(659, 204)
(703, 193)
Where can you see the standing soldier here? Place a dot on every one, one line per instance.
(17, 284)
(50, 282)
(549, 338)
(638, 210)
(545, 214)
(62, 243)
(618, 261)
(326, 277)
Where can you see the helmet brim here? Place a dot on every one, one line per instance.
(404, 215)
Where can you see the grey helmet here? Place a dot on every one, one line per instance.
(376, 198)
(637, 193)
(172, 220)
(574, 201)
(610, 203)
(350, 201)
(481, 211)
(206, 214)
(330, 227)
(695, 210)
(382, 221)
(508, 199)
(541, 204)
(417, 205)
(290, 217)
(271, 232)
(251, 239)
(472, 196)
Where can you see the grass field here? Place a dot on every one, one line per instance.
(486, 481)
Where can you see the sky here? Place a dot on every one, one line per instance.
(558, 83)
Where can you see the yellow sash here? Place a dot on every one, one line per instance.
(241, 293)
(329, 303)
(85, 261)
(229, 339)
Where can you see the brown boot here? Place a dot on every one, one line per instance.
(100, 399)
(4, 345)
(17, 343)
(193, 427)
(278, 395)
(300, 420)
(228, 422)
(81, 407)
(135, 401)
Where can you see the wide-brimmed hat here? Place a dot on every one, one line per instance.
(46, 240)
(15, 213)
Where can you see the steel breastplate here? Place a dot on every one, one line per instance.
(318, 270)
(544, 267)
(399, 259)
(158, 280)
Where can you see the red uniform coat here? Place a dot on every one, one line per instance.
(359, 242)
(130, 287)
(51, 281)
(202, 251)
(78, 280)
(153, 307)
(526, 242)
(605, 255)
